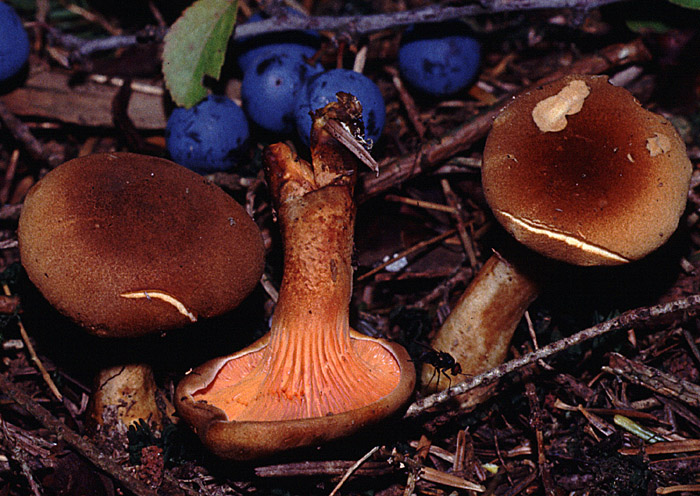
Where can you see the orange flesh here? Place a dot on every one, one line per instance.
(309, 378)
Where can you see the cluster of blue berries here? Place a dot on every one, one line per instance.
(14, 42)
(281, 86)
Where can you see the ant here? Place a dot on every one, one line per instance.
(442, 362)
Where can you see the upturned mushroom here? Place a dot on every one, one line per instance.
(580, 172)
(126, 245)
(312, 378)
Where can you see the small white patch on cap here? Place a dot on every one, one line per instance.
(659, 144)
(550, 114)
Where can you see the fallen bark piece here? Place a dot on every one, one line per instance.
(49, 95)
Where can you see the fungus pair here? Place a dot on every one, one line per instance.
(578, 171)
(125, 244)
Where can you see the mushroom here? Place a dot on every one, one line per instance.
(580, 172)
(126, 245)
(312, 378)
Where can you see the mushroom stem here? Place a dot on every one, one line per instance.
(478, 331)
(310, 367)
(124, 394)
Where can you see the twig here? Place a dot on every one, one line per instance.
(352, 469)
(82, 445)
(691, 344)
(408, 251)
(331, 467)
(678, 489)
(664, 448)
(466, 239)
(358, 25)
(522, 484)
(627, 320)
(82, 48)
(20, 457)
(460, 276)
(10, 212)
(20, 131)
(654, 379)
(125, 126)
(397, 170)
(408, 102)
(430, 474)
(9, 304)
(32, 352)
(9, 177)
(351, 25)
(536, 424)
(340, 132)
(420, 203)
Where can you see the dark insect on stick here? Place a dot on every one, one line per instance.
(444, 364)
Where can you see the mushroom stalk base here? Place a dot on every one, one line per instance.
(123, 394)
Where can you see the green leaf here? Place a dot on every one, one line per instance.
(688, 4)
(647, 26)
(195, 47)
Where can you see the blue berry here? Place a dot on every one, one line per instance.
(322, 88)
(438, 59)
(209, 136)
(253, 56)
(14, 42)
(270, 86)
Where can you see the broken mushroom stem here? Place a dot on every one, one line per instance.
(478, 331)
(311, 378)
(122, 395)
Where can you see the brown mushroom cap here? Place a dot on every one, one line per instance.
(126, 244)
(587, 177)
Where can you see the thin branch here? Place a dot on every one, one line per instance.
(82, 445)
(358, 25)
(625, 321)
(408, 251)
(353, 469)
(654, 379)
(351, 25)
(32, 352)
(82, 48)
(21, 132)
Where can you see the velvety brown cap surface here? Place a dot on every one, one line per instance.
(105, 225)
(608, 188)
